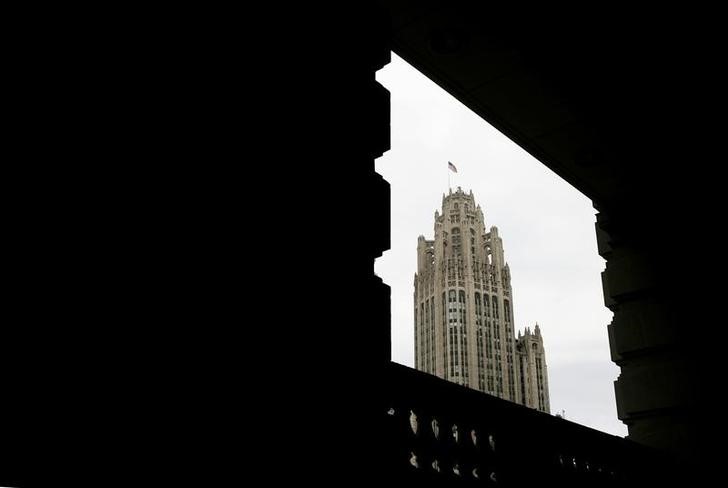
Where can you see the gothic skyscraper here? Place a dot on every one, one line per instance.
(464, 329)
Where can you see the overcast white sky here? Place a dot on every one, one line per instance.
(547, 228)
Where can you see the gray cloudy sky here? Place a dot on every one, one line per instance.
(547, 228)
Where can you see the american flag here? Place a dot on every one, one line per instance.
(452, 166)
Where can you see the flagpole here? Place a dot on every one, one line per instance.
(447, 168)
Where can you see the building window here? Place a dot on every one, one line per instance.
(456, 241)
(444, 332)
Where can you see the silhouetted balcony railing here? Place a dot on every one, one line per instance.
(437, 430)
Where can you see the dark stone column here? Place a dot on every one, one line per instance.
(343, 339)
(648, 287)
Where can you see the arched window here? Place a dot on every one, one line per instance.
(456, 240)
(432, 334)
(444, 334)
(428, 347)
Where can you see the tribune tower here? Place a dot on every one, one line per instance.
(464, 328)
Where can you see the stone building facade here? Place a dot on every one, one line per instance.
(463, 308)
(531, 367)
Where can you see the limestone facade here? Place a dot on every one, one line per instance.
(463, 309)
